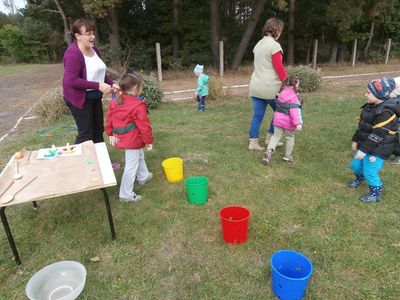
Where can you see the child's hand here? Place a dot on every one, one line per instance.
(299, 127)
(149, 147)
(360, 155)
(354, 146)
(195, 93)
(113, 140)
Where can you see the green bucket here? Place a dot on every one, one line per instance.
(197, 189)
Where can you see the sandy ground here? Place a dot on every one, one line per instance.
(19, 92)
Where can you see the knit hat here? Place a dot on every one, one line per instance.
(381, 88)
(198, 69)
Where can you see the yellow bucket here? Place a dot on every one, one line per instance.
(173, 168)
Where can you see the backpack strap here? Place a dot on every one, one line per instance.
(285, 107)
(125, 129)
(383, 123)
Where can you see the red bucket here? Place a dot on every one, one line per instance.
(235, 224)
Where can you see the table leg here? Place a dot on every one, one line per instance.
(9, 236)
(110, 218)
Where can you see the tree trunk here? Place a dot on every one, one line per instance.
(247, 34)
(67, 35)
(115, 48)
(215, 30)
(366, 48)
(334, 52)
(176, 7)
(290, 44)
(93, 19)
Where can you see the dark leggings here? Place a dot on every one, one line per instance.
(89, 120)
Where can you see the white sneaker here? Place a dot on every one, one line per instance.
(134, 199)
(288, 158)
(143, 182)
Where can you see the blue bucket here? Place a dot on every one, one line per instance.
(291, 272)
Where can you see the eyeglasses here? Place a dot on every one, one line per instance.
(90, 33)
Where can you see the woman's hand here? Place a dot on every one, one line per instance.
(105, 88)
(149, 147)
(354, 146)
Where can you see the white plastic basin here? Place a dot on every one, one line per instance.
(63, 280)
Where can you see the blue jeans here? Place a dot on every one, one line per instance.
(259, 107)
(369, 166)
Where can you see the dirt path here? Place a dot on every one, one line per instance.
(19, 92)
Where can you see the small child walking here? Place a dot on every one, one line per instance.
(128, 128)
(202, 87)
(287, 119)
(375, 137)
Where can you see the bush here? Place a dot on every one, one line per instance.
(52, 107)
(310, 80)
(152, 92)
(215, 88)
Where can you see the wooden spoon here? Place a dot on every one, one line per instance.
(10, 197)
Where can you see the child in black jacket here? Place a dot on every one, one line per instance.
(375, 137)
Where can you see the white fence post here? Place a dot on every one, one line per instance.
(315, 54)
(221, 58)
(389, 43)
(158, 54)
(353, 57)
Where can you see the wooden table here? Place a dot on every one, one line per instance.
(101, 159)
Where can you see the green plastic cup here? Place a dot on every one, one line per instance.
(197, 189)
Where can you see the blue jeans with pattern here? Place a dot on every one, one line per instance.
(201, 103)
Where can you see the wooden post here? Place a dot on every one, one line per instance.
(315, 54)
(389, 43)
(221, 58)
(353, 57)
(158, 54)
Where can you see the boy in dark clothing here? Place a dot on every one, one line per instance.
(375, 137)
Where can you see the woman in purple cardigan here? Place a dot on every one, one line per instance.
(84, 83)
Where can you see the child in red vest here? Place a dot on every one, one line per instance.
(128, 127)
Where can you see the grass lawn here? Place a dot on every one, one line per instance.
(169, 249)
(12, 69)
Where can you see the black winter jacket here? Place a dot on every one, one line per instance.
(378, 140)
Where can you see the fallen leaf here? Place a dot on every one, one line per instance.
(95, 259)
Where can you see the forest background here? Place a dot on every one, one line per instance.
(190, 31)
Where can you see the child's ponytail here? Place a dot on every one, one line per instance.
(128, 80)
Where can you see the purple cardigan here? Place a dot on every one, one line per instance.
(74, 81)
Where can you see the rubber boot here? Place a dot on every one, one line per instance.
(374, 194)
(356, 182)
(254, 146)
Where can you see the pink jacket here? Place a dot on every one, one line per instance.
(294, 116)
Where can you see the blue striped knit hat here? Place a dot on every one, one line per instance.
(381, 88)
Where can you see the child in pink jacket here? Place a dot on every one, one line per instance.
(287, 119)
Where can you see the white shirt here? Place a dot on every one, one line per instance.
(95, 68)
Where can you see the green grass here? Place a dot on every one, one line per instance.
(169, 249)
(13, 69)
